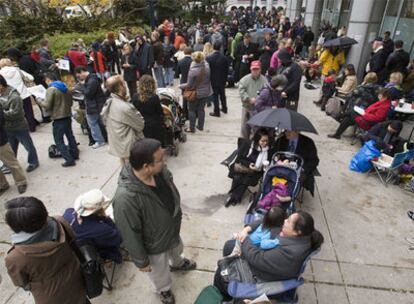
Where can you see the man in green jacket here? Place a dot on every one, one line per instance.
(58, 102)
(147, 211)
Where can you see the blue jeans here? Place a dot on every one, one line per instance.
(24, 138)
(93, 122)
(63, 127)
(168, 76)
(159, 76)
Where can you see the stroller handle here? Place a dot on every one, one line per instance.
(290, 156)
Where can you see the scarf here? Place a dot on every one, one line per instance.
(261, 157)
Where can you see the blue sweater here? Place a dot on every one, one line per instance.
(101, 231)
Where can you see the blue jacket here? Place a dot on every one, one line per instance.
(101, 231)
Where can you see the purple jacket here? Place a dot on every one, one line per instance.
(270, 200)
(267, 99)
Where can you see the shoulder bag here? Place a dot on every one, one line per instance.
(190, 95)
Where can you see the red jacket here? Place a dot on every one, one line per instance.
(99, 62)
(374, 114)
(77, 58)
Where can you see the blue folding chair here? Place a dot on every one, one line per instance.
(389, 168)
(284, 291)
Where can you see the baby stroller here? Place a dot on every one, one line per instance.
(283, 165)
(173, 119)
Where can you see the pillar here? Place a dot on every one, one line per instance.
(313, 14)
(293, 8)
(364, 25)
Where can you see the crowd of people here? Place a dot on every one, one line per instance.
(264, 54)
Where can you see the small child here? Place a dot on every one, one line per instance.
(277, 196)
(328, 89)
(261, 237)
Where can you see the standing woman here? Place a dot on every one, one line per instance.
(16, 78)
(198, 80)
(129, 63)
(148, 104)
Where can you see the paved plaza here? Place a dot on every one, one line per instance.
(365, 258)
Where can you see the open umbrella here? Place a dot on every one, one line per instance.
(341, 41)
(282, 119)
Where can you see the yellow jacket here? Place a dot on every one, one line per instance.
(329, 61)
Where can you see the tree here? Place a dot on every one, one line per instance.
(95, 6)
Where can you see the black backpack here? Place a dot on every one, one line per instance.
(54, 152)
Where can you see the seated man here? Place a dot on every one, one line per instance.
(385, 134)
(90, 223)
(303, 146)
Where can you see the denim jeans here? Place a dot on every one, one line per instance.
(93, 122)
(196, 110)
(61, 128)
(159, 76)
(168, 76)
(24, 138)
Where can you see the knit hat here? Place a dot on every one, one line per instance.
(284, 56)
(90, 202)
(278, 82)
(278, 180)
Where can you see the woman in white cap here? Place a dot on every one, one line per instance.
(90, 222)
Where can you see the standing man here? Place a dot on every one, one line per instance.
(249, 88)
(16, 125)
(308, 38)
(219, 69)
(244, 55)
(183, 67)
(145, 56)
(388, 44)
(158, 51)
(148, 214)
(267, 48)
(378, 59)
(58, 102)
(293, 73)
(94, 101)
(398, 60)
(217, 37)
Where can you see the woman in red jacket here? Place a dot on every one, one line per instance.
(374, 114)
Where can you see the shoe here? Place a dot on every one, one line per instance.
(46, 120)
(22, 188)
(91, 143)
(229, 202)
(200, 129)
(5, 170)
(69, 164)
(167, 297)
(334, 136)
(4, 188)
(98, 145)
(186, 266)
(214, 114)
(188, 130)
(224, 111)
(31, 168)
(411, 215)
(317, 102)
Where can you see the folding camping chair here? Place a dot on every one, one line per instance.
(285, 291)
(388, 165)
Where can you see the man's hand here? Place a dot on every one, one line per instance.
(252, 101)
(125, 65)
(146, 269)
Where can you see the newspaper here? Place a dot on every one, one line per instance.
(38, 91)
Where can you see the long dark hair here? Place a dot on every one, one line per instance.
(258, 135)
(305, 226)
(274, 218)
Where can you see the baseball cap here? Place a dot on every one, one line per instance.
(255, 65)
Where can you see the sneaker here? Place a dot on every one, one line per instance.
(167, 297)
(31, 168)
(69, 164)
(186, 266)
(98, 145)
(5, 170)
(22, 188)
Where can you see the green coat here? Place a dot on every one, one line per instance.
(59, 104)
(12, 106)
(146, 226)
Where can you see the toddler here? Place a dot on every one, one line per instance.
(278, 195)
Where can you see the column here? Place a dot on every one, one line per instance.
(293, 8)
(364, 25)
(313, 14)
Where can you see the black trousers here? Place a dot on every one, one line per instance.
(238, 187)
(348, 120)
(219, 93)
(132, 87)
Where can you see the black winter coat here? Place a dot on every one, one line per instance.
(398, 62)
(183, 67)
(169, 52)
(293, 74)
(377, 64)
(145, 57)
(130, 74)
(307, 150)
(3, 134)
(94, 96)
(219, 69)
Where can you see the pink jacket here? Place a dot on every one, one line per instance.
(275, 61)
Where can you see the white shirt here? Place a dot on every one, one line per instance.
(13, 76)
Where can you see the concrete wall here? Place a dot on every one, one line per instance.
(313, 14)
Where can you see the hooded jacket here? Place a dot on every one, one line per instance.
(146, 225)
(94, 96)
(15, 78)
(293, 73)
(58, 100)
(48, 267)
(12, 106)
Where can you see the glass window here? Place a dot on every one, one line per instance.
(390, 17)
(405, 25)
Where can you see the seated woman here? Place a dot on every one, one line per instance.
(365, 94)
(297, 239)
(148, 104)
(374, 114)
(349, 84)
(248, 166)
(270, 95)
(394, 85)
(90, 223)
(385, 134)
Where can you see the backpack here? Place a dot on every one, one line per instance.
(334, 107)
(54, 152)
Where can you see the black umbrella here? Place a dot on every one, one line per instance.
(282, 119)
(341, 41)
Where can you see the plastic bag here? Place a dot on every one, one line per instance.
(361, 162)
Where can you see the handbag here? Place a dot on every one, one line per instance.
(239, 168)
(190, 95)
(235, 269)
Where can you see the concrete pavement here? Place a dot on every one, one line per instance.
(365, 258)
